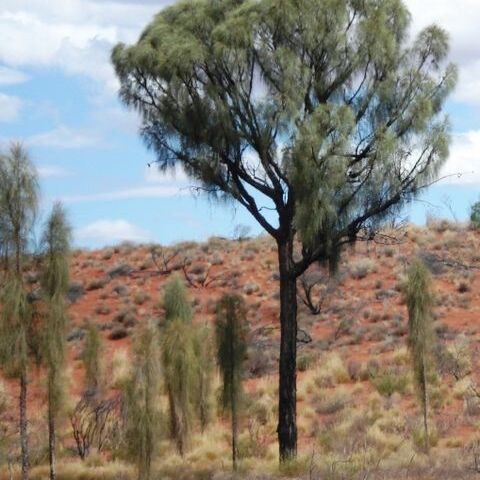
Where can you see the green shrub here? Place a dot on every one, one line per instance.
(390, 382)
(475, 215)
(305, 361)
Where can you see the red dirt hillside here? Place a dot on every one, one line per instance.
(352, 354)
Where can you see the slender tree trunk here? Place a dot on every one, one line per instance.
(234, 433)
(425, 406)
(175, 431)
(23, 425)
(287, 402)
(52, 441)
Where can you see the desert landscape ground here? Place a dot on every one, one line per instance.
(358, 413)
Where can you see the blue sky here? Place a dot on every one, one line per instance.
(58, 95)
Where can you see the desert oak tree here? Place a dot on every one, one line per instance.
(420, 301)
(320, 111)
(55, 282)
(19, 194)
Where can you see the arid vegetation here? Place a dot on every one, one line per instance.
(338, 345)
(360, 413)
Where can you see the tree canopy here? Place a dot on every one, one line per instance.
(322, 107)
(324, 112)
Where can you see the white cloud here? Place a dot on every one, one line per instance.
(49, 171)
(11, 76)
(160, 191)
(10, 107)
(154, 175)
(73, 35)
(106, 231)
(64, 138)
(460, 18)
(464, 159)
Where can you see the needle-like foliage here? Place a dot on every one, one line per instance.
(55, 280)
(141, 394)
(204, 351)
(323, 111)
(179, 362)
(231, 334)
(175, 301)
(18, 207)
(420, 301)
(91, 358)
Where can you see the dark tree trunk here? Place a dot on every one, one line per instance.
(52, 441)
(425, 406)
(23, 425)
(287, 401)
(234, 433)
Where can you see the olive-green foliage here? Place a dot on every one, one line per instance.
(231, 335)
(179, 361)
(337, 78)
(175, 301)
(420, 302)
(231, 332)
(18, 202)
(55, 281)
(141, 394)
(475, 215)
(204, 351)
(180, 371)
(16, 315)
(18, 207)
(91, 358)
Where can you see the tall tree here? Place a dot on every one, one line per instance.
(18, 206)
(141, 401)
(55, 281)
(420, 301)
(231, 352)
(179, 362)
(322, 111)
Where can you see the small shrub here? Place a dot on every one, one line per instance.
(102, 309)
(118, 333)
(251, 288)
(140, 298)
(390, 382)
(331, 371)
(419, 438)
(361, 268)
(96, 284)
(327, 402)
(305, 361)
(475, 215)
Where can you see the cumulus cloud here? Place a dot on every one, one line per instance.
(64, 138)
(10, 107)
(460, 19)
(73, 35)
(11, 76)
(108, 231)
(463, 165)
